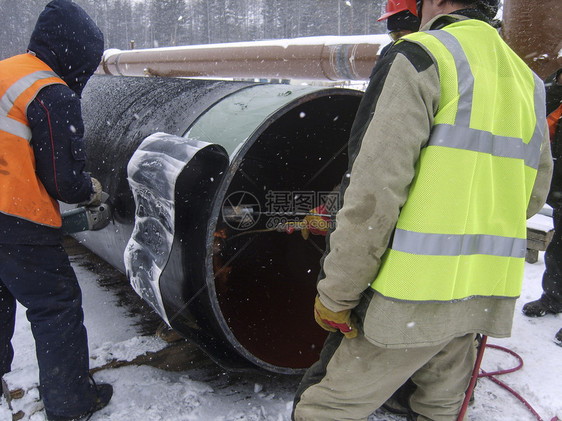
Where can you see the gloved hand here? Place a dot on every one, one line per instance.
(95, 198)
(334, 321)
(315, 224)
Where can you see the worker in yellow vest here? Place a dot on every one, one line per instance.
(449, 156)
(42, 160)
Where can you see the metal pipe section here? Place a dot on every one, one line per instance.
(316, 58)
(534, 31)
(239, 289)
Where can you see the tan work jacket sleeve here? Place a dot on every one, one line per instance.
(544, 175)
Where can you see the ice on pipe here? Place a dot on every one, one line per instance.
(152, 173)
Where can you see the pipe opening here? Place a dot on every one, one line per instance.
(265, 280)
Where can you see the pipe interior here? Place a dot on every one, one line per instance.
(265, 282)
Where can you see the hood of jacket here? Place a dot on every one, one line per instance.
(69, 41)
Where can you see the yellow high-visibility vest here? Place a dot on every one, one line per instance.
(21, 193)
(462, 230)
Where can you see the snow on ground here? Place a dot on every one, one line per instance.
(208, 393)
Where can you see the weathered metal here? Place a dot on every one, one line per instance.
(534, 31)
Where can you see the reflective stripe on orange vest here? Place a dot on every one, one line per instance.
(21, 193)
(10, 97)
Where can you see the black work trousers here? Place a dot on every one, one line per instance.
(552, 277)
(41, 279)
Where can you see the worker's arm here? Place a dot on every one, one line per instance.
(542, 182)
(55, 118)
(392, 125)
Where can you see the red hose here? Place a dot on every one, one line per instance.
(473, 378)
(506, 371)
(491, 375)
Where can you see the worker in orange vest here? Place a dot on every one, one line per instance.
(42, 160)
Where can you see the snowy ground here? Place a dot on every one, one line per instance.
(208, 393)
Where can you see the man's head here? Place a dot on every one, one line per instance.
(401, 17)
(428, 9)
(69, 41)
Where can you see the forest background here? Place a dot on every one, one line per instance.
(163, 23)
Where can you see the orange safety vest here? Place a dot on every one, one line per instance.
(21, 193)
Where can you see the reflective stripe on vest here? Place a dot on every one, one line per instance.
(14, 127)
(10, 96)
(462, 231)
(22, 193)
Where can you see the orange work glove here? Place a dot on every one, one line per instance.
(334, 321)
(315, 224)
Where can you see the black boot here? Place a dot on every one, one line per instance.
(103, 393)
(538, 308)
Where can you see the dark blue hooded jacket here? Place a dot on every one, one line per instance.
(71, 44)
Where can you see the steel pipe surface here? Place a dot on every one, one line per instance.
(240, 290)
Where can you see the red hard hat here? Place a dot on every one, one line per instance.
(396, 6)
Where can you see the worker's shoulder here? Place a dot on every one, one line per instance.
(55, 105)
(57, 92)
(55, 98)
(414, 53)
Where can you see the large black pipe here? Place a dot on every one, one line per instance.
(243, 293)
